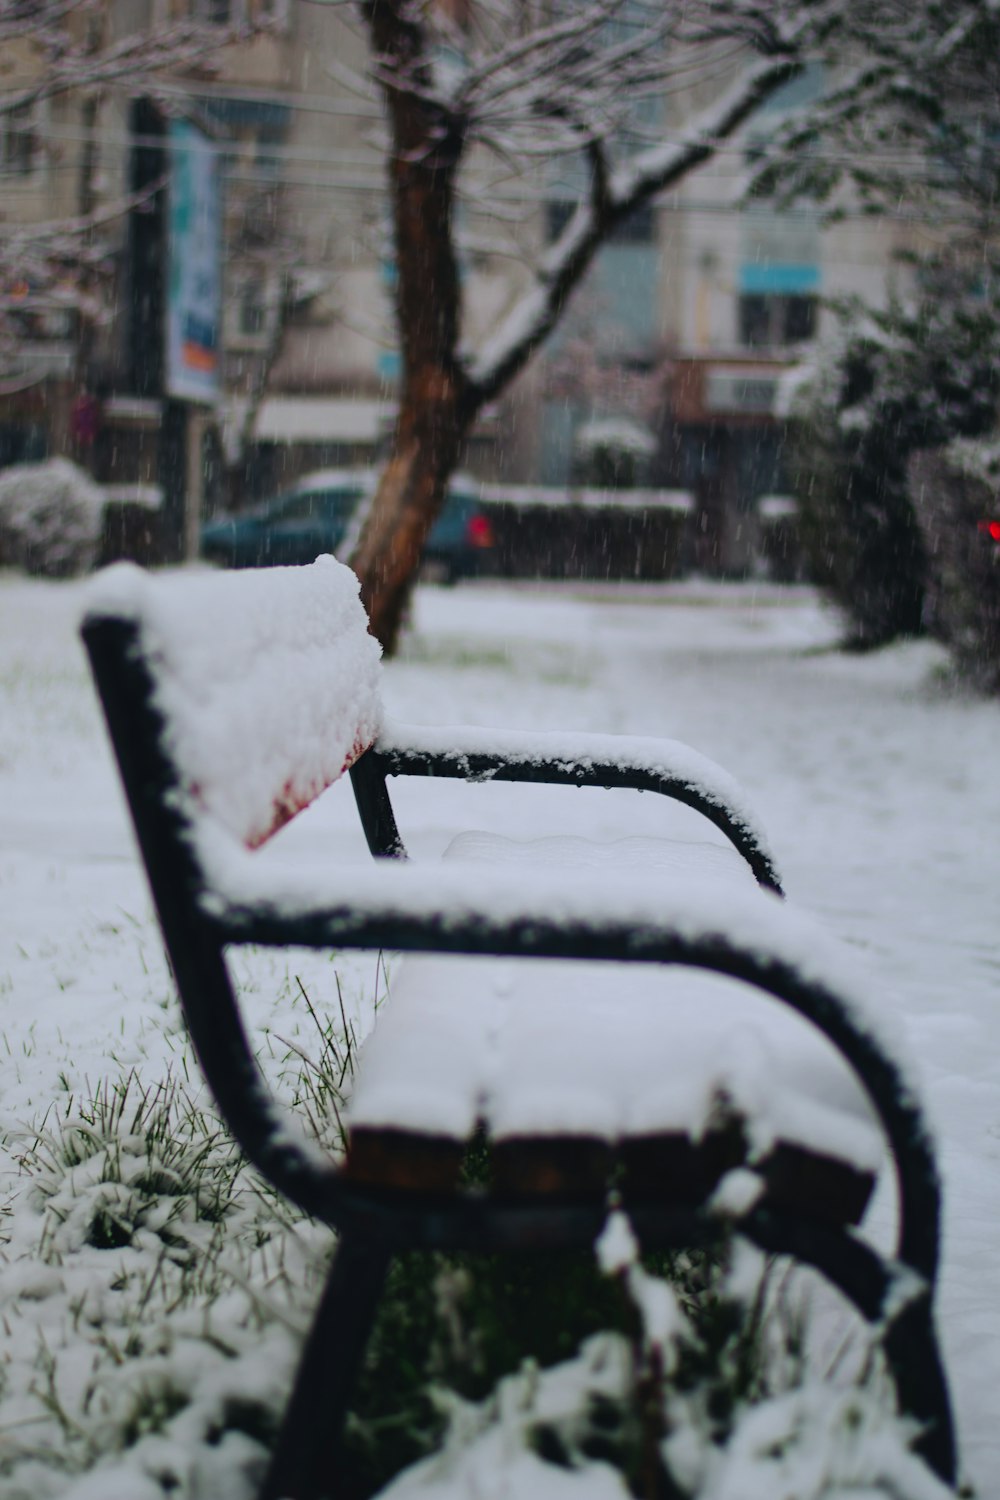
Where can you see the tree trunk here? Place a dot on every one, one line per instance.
(437, 404)
(439, 397)
(409, 497)
(435, 411)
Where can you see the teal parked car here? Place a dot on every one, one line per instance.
(315, 515)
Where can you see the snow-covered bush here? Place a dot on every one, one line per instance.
(956, 495)
(906, 379)
(810, 1443)
(641, 1415)
(51, 516)
(858, 528)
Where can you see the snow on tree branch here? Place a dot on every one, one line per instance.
(41, 254)
(613, 199)
(907, 112)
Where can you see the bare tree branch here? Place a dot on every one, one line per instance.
(64, 49)
(533, 317)
(66, 64)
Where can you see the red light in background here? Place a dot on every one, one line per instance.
(479, 532)
(991, 529)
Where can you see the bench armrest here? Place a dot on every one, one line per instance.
(579, 759)
(473, 910)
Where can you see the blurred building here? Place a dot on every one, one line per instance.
(695, 325)
(669, 369)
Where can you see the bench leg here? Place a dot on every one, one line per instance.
(302, 1466)
(912, 1352)
(909, 1341)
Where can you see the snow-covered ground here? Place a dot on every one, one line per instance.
(877, 783)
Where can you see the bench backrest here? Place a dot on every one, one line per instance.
(267, 682)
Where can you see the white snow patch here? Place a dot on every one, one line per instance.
(585, 497)
(737, 1193)
(616, 1246)
(268, 681)
(617, 433)
(979, 458)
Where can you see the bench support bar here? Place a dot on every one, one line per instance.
(304, 1464)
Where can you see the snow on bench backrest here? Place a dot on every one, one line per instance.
(267, 680)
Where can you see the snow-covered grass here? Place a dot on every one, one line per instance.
(139, 1309)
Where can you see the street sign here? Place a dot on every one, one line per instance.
(194, 289)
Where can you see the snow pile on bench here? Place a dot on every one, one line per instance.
(539, 1048)
(608, 1051)
(268, 681)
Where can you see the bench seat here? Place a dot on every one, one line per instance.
(575, 1071)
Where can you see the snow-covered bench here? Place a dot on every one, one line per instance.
(629, 1012)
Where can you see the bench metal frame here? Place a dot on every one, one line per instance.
(894, 1292)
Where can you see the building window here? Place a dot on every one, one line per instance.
(253, 313)
(799, 319)
(215, 12)
(558, 212)
(755, 321)
(17, 141)
(275, 11)
(638, 229)
(252, 317)
(251, 310)
(771, 320)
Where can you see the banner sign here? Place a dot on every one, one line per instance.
(194, 293)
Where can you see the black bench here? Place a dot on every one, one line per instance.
(233, 700)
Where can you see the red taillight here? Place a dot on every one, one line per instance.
(991, 529)
(479, 531)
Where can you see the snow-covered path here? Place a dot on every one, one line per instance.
(878, 785)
